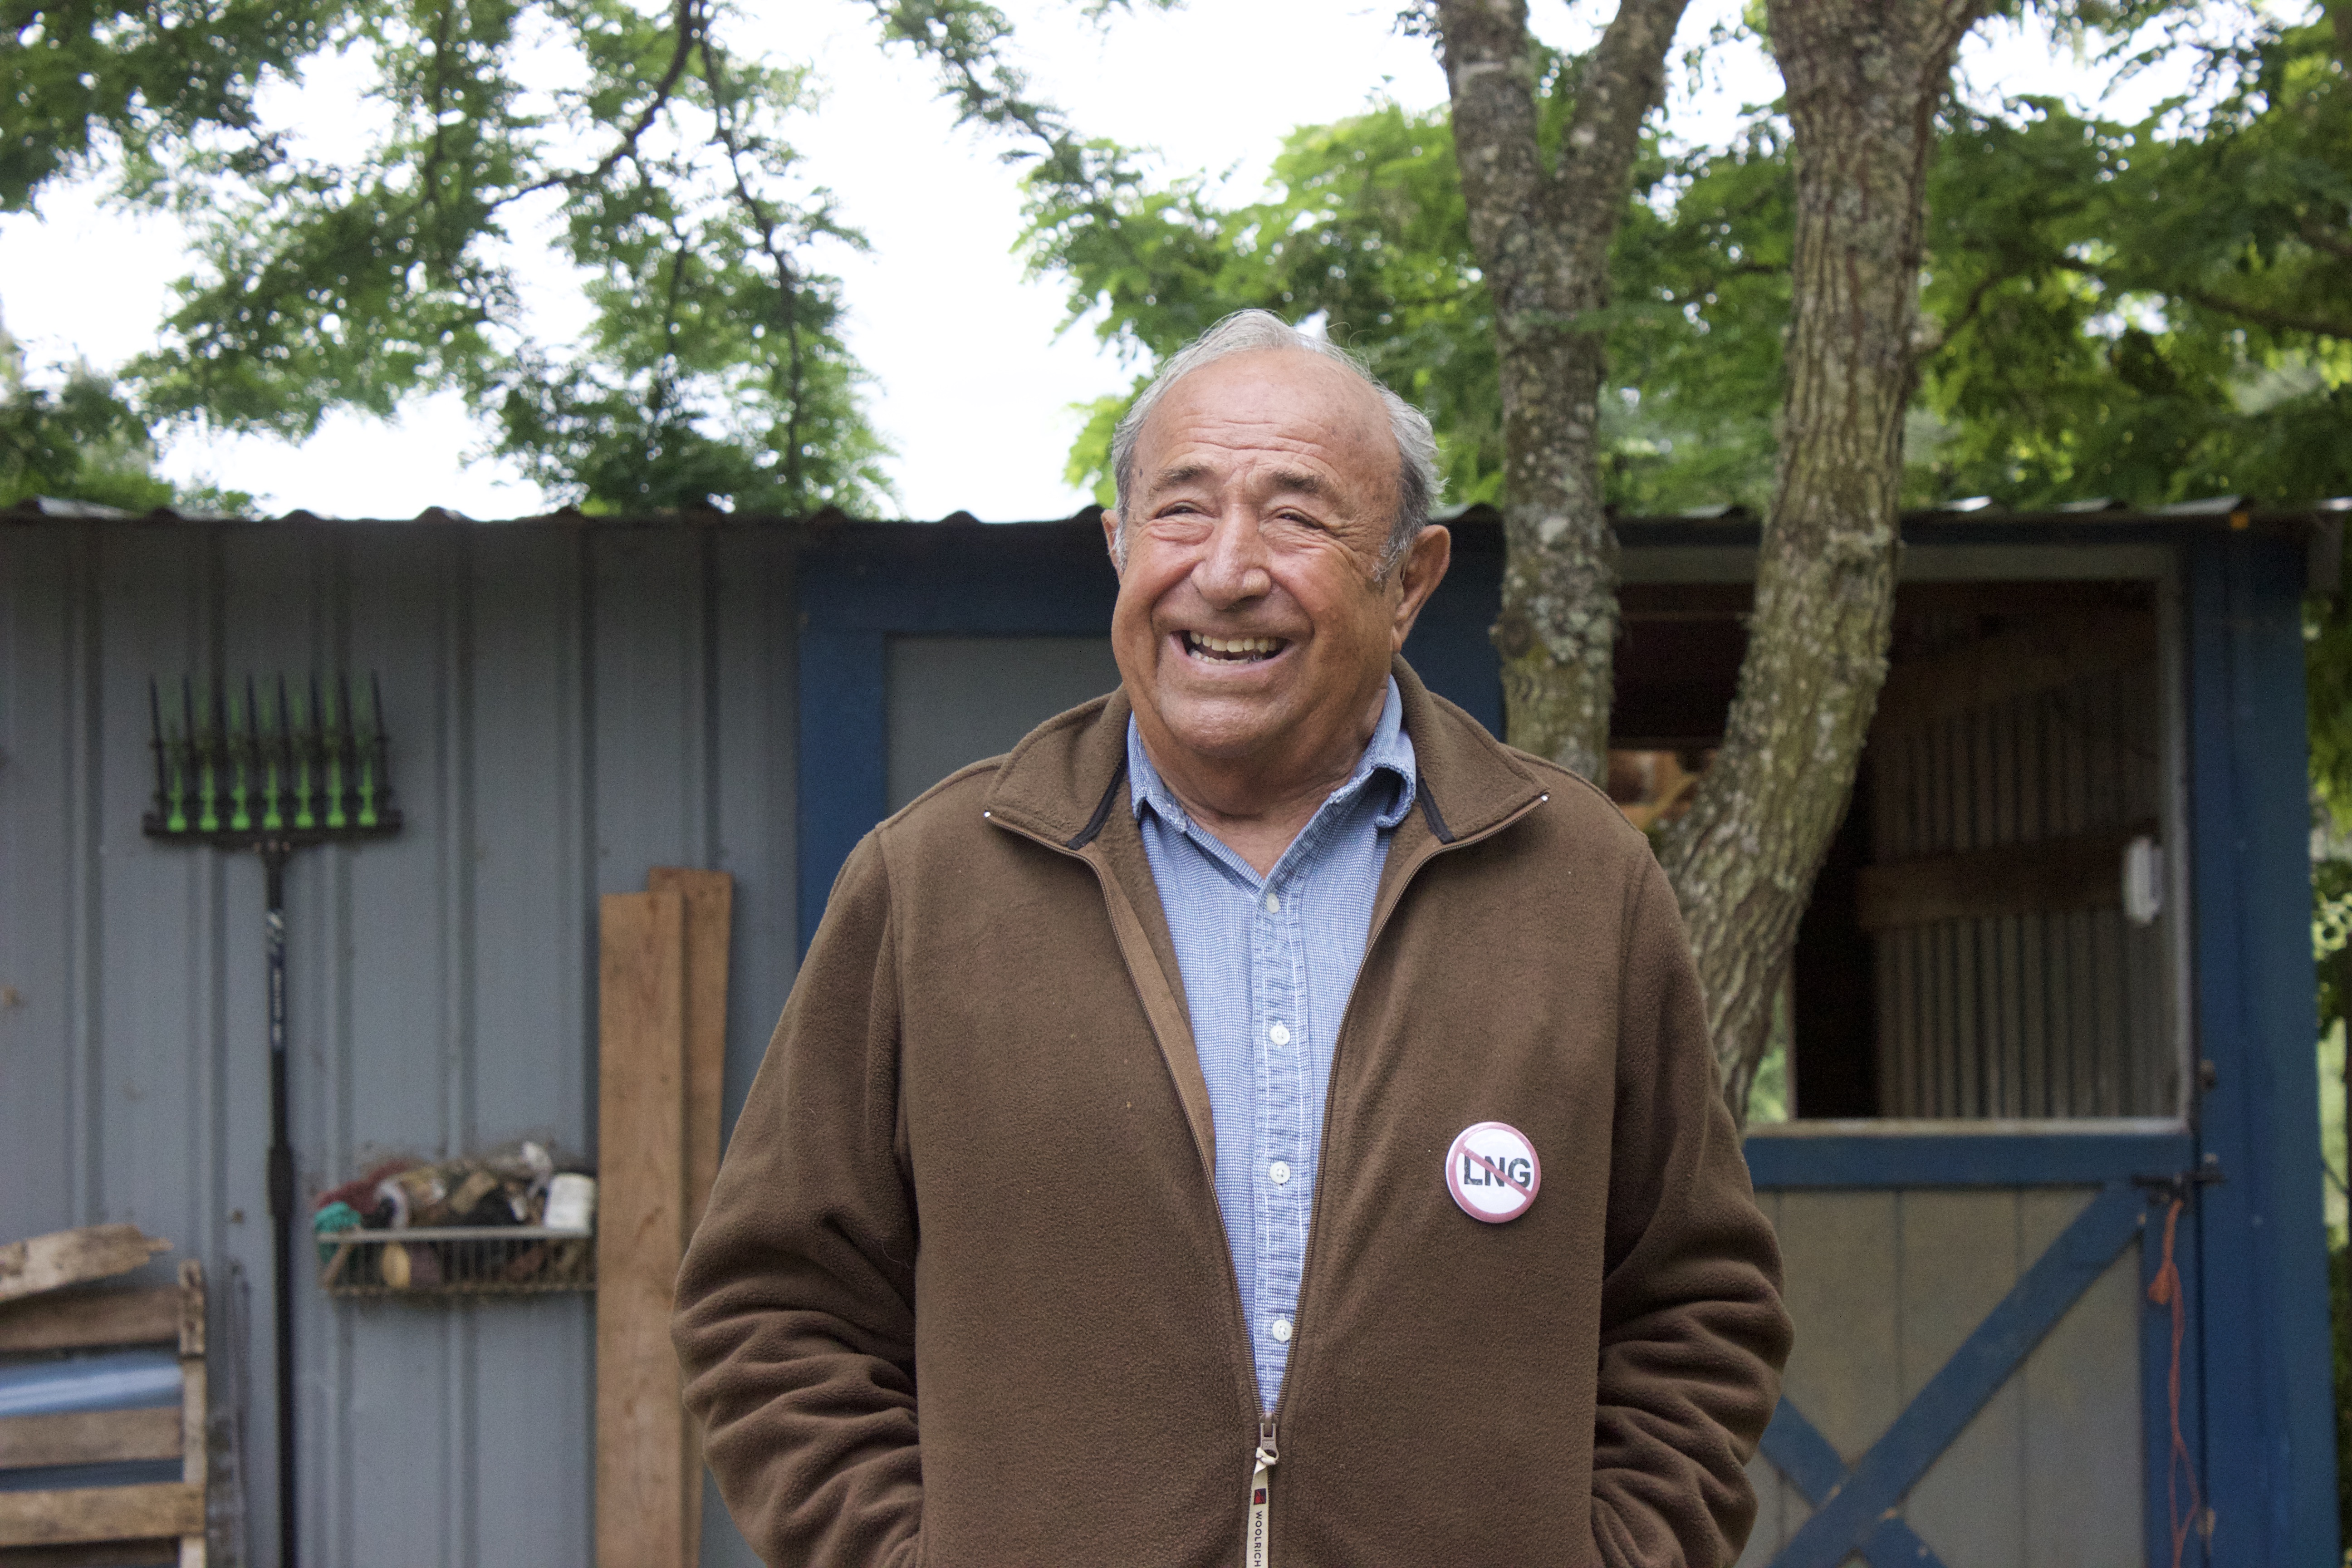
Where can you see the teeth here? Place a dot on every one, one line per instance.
(1207, 643)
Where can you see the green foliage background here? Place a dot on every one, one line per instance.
(651, 153)
(2149, 311)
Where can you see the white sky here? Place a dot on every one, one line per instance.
(970, 384)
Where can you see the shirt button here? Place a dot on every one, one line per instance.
(1281, 1330)
(1279, 1171)
(1279, 1034)
(1273, 902)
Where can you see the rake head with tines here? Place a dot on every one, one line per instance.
(241, 771)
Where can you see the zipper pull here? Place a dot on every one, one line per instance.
(1255, 1549)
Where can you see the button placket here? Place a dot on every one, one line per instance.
(1284, 1066)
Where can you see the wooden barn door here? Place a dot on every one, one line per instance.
(1980, 1378)
(2016, 760)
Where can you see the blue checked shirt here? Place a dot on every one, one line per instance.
(1267, 966)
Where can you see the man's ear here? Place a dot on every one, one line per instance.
(1418, 575)
(1111, 539)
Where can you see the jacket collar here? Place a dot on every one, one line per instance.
(1063, 782)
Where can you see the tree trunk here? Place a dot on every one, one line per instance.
(1864, 79)
(1543, 239)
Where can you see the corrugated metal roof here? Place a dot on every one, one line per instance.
(1728, 514)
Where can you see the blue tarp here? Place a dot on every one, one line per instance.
(117, 1380)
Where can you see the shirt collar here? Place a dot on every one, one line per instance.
(1389, 752)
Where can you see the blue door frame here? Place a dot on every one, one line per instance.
(867, 583)
(2269, 1438)
(2136, 1174)
(2256, 1404)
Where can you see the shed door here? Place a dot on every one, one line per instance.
(2015, 760)
(1979, 1379)
(954, 700)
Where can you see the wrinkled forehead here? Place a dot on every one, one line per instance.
(1281, 412)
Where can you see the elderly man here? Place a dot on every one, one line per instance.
(1260, 1120)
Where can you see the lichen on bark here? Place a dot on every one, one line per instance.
(1543, 235)
(1865, 79)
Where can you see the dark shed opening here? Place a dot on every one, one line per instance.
(1987, 937)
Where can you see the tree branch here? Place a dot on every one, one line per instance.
(723, 117)
(2261, 316)
(2245, 309)
(963, 36)
(1929, 345)
(2317, 234)
(688, 25)
(1625, 79)
(1490, 82)
(429, 175)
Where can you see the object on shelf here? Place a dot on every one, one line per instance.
(572, 1203)
(472, 1226)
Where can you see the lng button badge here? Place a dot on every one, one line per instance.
(1493, 1173)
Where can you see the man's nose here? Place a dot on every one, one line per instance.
(1233, 569)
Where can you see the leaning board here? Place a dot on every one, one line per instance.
(159, 1517)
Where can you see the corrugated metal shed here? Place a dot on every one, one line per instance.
(571, 700)
(570, 705)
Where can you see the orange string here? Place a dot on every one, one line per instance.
(2167, 1291)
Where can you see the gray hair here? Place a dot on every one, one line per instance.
(1419, 483)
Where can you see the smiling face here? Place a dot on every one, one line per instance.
(1252, 634)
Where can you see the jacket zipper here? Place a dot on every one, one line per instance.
(1255, 1546)
(1256, 1537)
(1261, 1488)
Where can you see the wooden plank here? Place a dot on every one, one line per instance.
(100, 1514)
(1838, 1250)
(641, 1231)
(1968, 1021)
(1960, 1258)
(2013, 1019)
(1936, 1023)
(82, 1319)
(1894, 1024)
(2083, 1008)
(2081, 872)
(2084, 1475)
(192, 1420)
(88, 1437)
(73, 1257)
(2034, 938)
(1983, 1365)
(2039, 657)
(158, 1554)
(709, 903)
(709, 897)
(190, 1315)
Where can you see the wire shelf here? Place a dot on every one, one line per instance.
(457, 1260)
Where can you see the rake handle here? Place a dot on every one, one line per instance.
(274, 855)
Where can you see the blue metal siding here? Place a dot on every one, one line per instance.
(573, 702)
(568, 705)
(1951, 1158)
(2260, 1281)
(870, 582)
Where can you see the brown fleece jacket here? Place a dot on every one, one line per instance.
(962, 1296)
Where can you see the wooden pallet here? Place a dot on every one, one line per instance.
(161, 1523)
